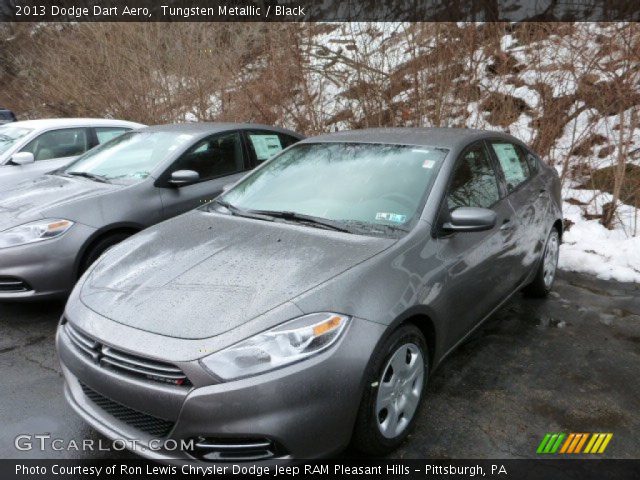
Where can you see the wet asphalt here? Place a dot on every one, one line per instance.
(570, 363)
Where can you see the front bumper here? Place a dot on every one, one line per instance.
(307, 409)
(45, 269)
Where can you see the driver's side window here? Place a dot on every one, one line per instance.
(213, 157)
(474, 182)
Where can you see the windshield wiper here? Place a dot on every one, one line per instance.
(239, 212)
(378, 227)
(90, 176)
(301, 218)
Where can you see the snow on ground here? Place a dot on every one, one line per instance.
(589, 247)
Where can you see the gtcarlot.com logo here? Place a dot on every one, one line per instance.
(574, 443)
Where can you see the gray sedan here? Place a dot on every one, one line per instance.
(54, 227)
(306, 307)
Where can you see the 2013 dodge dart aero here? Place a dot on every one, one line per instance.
(305, 308)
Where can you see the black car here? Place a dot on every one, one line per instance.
(7, 116)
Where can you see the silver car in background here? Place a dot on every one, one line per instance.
(52, 228)
(307, 306)
(32, 148)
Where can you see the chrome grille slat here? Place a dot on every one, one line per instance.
(141, 371)
(81, 338)
(123, 362)
(115, 355)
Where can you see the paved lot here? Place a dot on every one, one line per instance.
(570, 363)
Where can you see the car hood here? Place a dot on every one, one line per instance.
(32, 199)
(203, 274)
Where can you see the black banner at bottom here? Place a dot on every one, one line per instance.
(533, 469)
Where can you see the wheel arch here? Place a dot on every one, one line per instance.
(106, 231)
(423, 318)
(559, 225)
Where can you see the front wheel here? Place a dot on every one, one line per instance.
(546, 273)
(395, 386)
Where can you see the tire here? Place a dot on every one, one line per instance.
(98, 248)
(369, 437)
(546, 273)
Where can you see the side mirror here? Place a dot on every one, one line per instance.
(22, 158)
(184, 177)
(470, 219)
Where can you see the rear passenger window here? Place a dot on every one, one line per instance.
(512, 162)
(267, 144)
(67, 142)
(105, 134)
(474, 182)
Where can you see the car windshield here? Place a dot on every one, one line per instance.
(129, 158)
(364, 188)
(10, 135)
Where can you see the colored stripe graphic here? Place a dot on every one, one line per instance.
(573, 443)
(551, 442)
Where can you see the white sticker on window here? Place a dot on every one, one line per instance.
(428, 163)
(391, 217)
(265, 146)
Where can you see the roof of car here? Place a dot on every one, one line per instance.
(428, 137)
(212, 127)
(72, 122)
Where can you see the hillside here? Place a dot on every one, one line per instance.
(572, 91)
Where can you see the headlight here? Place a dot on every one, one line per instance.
(34, 232)
(288, 343)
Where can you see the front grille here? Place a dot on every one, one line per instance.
(12, 284)
(154, 426)
(236, 449)
(126, 363)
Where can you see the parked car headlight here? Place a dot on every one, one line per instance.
(283, 345)
(34, 232)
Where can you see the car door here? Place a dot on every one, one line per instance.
(219, 160)
(477, 263)
(524, 195)
(54, 149)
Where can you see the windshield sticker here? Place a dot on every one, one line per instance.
(419, 150)
(391, 217)
(428, 163)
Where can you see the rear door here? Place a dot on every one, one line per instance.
(219, 159)
(478, 263)
(524, 195)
